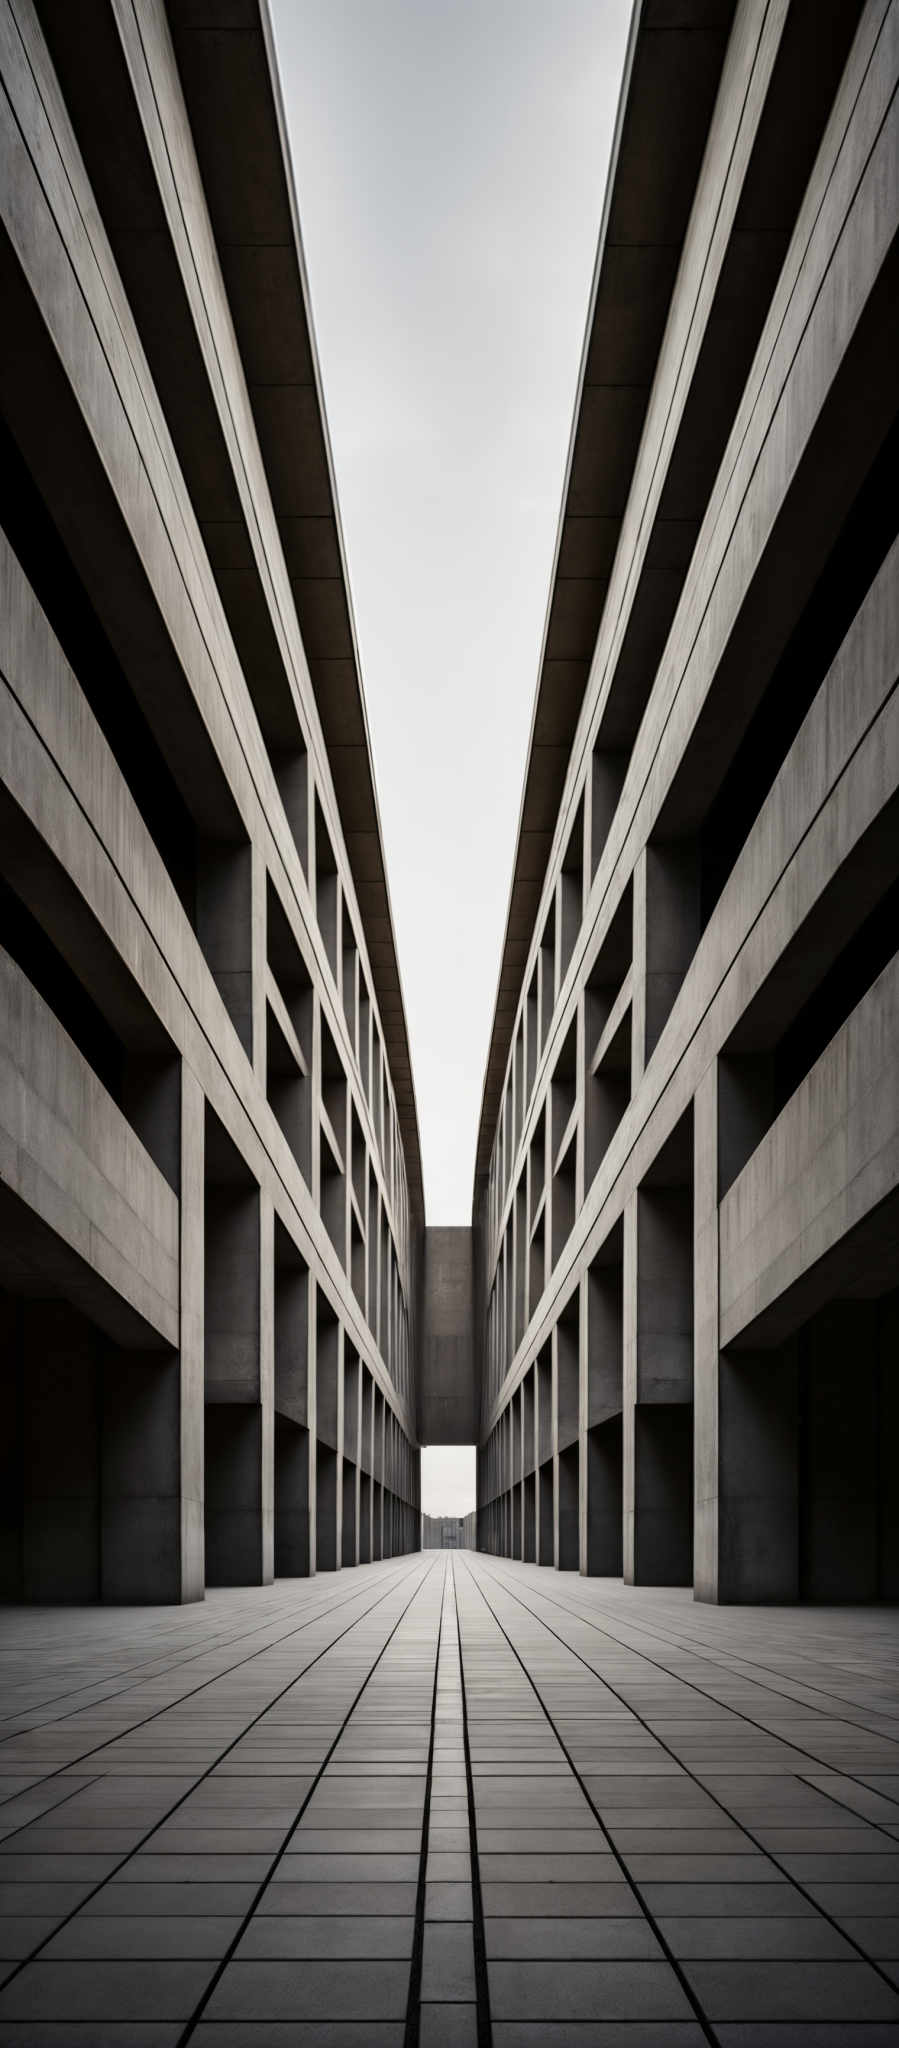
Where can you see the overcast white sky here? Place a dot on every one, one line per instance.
(450, 160)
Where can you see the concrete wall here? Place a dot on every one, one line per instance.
(693, 1161)
(447, 1388)
(208, 1257)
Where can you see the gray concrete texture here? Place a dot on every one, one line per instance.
(228, 1330)
(538, 1796)
(687, 1186)
(211, 1184)
(453, 1800)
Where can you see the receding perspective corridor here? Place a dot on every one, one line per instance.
(382, 1809)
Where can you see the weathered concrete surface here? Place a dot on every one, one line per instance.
(691, 1152)
(448, 1386)
(188, 949)
(450, 1794)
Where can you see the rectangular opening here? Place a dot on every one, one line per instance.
(568, 1373)
(349, 960)
(289, 970)
(373, 1238)
(348, 1514)
(605, 1330)
(521, 1259)
(569, 1538)
(291, 1499)
(663, 1418)
(291, 770)
(608, 1089)
(351, 1404)
(529, 1537)
(325, 1507)
(291, 1472)
(364, 1032)
(563, 1140)
(545, 1499)
(365, 1510)
(359, 1160)
(333, 1145)
(532, 1036)
(287, 1089)
(608, 781)
(326, 889)
(673, 929)
(605, 1493)
(357, 1261)
(91, 994)
(327, 1356)
(544, 1389)
(571, 893)
(528, 1400)
(834, 959)
(547, 968)
(856, 558)
(291, 1328)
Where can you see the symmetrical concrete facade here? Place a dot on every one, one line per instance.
(687, 1182)
(672, 1323)
(211, 1184)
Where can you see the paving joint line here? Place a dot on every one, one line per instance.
(632, 1882)
(479, 1931)
(225, 1959)
(23, 1961)
(412, 2029)
(122, 1734)
(749, 1664)
(578, 1615)
(771, 1855)
(191, 1656)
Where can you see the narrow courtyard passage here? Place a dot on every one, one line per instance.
(449, 1800)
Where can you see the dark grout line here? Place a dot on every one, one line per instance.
(225, 1959)
(168, 1663)
(179, 1701)
(412, 2031)
(23, 1961)
(479, 1932)
(771, 1855)
(742, 1665)
(578, 1614)
(630, 1881)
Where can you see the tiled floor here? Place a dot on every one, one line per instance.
(449, 1801)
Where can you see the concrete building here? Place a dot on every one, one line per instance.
(670, 1326)
(449, 1799)
(687, 1180)
(211, 1182)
